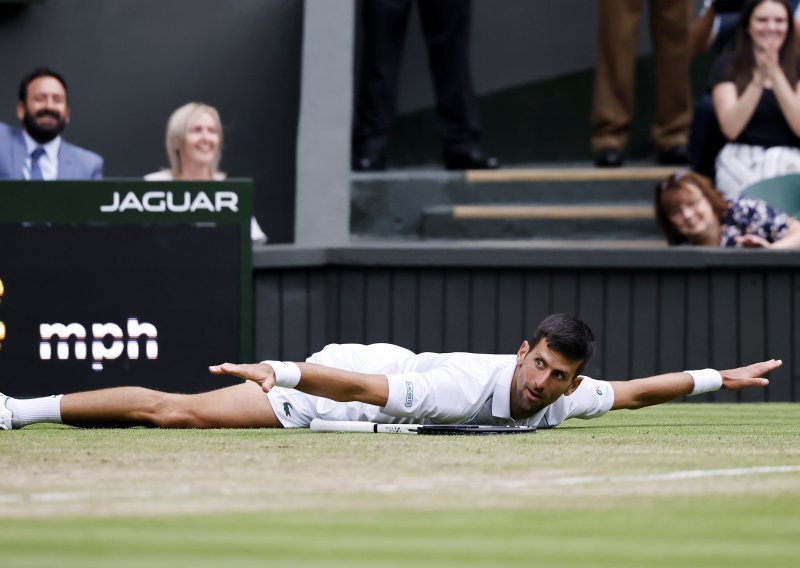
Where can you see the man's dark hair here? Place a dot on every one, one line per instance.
(567, 335)
(35, 74)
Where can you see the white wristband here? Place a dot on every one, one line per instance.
(287, 374)
(705, 380)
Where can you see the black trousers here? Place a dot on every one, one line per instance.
(446, 25)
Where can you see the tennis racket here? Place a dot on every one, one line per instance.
(318, 425)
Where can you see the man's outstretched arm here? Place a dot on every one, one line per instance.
(639, 393)
(319, 380)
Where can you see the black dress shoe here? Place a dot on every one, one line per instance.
(364, 163)
(675, 156)
(608, 157)
(472, 159)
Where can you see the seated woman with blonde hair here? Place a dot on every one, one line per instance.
(691, 212)
(194, 147)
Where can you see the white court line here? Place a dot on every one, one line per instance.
(677, 475)
(78, 496)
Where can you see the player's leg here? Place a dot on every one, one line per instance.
(239, 406)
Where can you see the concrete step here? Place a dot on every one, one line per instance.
(564, 203)
(580, 244)
(521, 211)
(517, 185)
(539, 222)
(561, 174)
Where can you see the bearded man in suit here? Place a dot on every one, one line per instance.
(37, 151)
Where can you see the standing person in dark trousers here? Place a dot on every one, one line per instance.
(614, 83)
(446, 26)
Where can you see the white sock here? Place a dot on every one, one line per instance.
(35, 410)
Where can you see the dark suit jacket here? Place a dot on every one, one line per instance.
(73, 162)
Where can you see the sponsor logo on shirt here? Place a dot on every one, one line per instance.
(287, 408)
(409, 394)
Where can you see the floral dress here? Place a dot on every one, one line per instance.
(753, 217)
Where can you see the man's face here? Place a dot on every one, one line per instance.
(45, 113)
(542, 375)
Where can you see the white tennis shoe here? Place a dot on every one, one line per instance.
(5, 413)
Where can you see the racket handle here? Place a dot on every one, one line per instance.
(318, 425)
(396, 428)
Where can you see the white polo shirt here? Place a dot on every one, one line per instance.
(440, 388)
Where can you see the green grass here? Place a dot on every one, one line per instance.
(92, 498)
(704, 532)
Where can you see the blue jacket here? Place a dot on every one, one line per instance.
(73, 162)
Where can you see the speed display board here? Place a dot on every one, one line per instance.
(123, 283)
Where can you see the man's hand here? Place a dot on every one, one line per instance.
(750, 376)
(260, 373)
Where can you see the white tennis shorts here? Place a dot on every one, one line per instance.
(297, 409)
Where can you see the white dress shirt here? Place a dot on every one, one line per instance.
(48, 162)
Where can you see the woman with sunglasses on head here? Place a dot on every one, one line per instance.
(756, 96)
(691, 212)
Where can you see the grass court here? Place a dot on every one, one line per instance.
(675, 485)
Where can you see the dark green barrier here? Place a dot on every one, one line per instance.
(123, 282)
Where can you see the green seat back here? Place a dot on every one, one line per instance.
(782, 192)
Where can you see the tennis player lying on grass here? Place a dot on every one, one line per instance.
(539, 386)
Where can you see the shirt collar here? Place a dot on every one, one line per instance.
(501, 401)
(51, 148)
